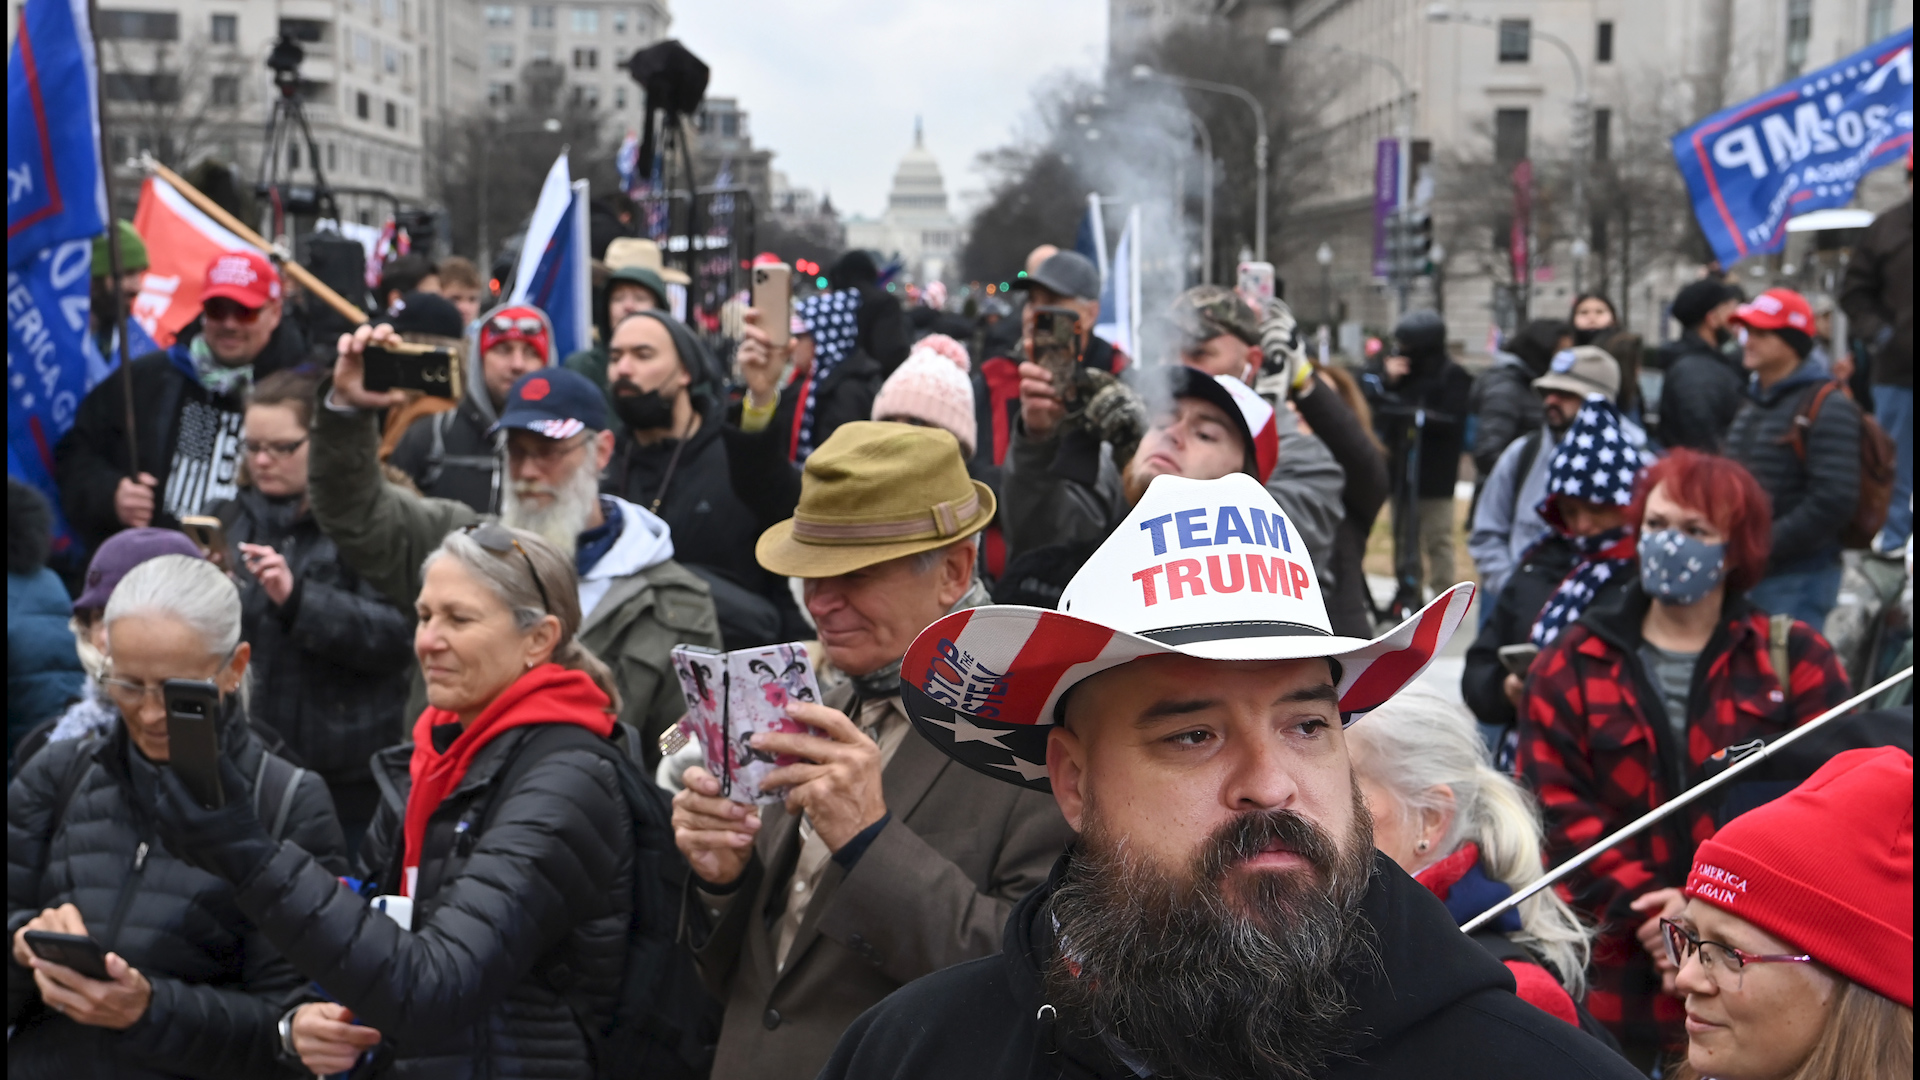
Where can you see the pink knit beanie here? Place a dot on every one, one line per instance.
(931, 386)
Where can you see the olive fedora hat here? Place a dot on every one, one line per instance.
(876, 491)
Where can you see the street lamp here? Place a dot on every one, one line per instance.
(1280, 36)
(1144, 73)
(1441, 13)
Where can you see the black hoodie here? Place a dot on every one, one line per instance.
(1436, 1006)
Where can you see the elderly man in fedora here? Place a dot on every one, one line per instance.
(891, 861)
(1223, 912)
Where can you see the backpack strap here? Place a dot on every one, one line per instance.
(1529, 453)
(1804, 417)
(276, 788)
(1779, 629)
(76, 771)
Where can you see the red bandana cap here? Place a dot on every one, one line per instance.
(520, 323)
(1828, 867)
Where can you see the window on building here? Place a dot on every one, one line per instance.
(391, 56)
(293, 156)
(1516, 40)
(586, 59)
(1602, 134)
(224, 91)
(332, 159)
(499, 94)
(390, 9)
(139, 25)
(362, 48)
(539, 52)
(540, 16)
(586, 96)
(305, 30)
(585, 20)
(393, 114)
(620, 97)
(1510, 136)
(366, 164)
(500, 55)
(1603, 43)
(1879, 19)
(224, 29)
(500, 15)
(730, 125)
(1799, 34)
(362, 107)
(163, 87)
(620, 21)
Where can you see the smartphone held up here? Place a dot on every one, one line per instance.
(731, 697)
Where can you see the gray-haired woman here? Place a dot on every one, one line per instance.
(505, 829)
(1472, 836)
(195, 989)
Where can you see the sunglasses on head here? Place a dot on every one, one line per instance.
(507, 324)
(496, 539)
(220, 309)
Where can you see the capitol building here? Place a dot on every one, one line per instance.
(917, 229)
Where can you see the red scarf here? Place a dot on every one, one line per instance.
(548, 694)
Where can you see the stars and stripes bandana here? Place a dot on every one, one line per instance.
(833, 320)
(1594, 463)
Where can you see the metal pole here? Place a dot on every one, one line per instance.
(113, 258)
(1259, 143)
(1661, 812)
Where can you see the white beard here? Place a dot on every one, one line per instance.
(561, 521)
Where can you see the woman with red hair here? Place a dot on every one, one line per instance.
(1626, 705)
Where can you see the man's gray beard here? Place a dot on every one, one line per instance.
(1217, 972)
(561, 521)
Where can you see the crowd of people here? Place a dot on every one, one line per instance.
(1076, 799)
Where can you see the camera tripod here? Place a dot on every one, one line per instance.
(290, 113)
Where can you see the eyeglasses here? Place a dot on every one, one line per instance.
(220, 309)
(507, 324)
(131, 695)
(547, 451)
(496, 539)
(1716, 958)
(275, 450)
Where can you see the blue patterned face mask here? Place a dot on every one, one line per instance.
(1680, 569)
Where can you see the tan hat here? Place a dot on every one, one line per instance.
(876, 491)
(1583, 370)
(631, 251)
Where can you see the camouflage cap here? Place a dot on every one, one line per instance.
(1207, 311)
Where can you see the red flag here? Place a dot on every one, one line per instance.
(181, 241)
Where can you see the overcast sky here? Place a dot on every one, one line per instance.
(832, 86)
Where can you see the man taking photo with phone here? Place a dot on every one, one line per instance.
(887, 863)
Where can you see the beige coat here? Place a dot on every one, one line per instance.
(933, 889)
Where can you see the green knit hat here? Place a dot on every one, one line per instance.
(133, 250)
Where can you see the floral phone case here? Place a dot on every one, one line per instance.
(733, 696)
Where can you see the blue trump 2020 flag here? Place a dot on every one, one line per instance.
(56, 202)
(54, 189)
(554, 272)
(1800, 147)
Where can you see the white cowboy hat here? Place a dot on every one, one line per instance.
(1206, 568)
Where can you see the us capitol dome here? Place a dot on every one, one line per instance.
(917, 228)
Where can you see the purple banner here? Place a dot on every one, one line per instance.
(1386, 200)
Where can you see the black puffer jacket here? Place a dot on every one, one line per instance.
(548, 882)
(219, 988)
(1812, 499)
(330, 666)
(1700, 396)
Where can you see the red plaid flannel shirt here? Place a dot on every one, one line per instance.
(1590, 752)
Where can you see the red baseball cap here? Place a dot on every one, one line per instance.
(245, 277)
(1777, 309)
(1828, 867)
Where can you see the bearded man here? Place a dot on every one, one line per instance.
(1223, 913)
(636, 602)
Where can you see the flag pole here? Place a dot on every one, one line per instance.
(239, 228)
(113, 248)
(1751, 758)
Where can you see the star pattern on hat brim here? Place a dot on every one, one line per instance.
(965, 731)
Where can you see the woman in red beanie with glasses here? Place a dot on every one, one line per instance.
(1795, 950)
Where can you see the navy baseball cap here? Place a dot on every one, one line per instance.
(554, 402)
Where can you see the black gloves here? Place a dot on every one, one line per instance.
(229, 842)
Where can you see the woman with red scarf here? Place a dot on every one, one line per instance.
(480, 877)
